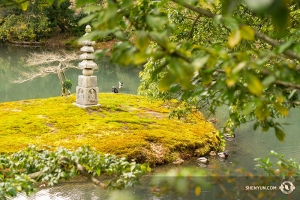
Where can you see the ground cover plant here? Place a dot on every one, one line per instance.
(124, 125)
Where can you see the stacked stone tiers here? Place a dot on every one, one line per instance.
(87, 90)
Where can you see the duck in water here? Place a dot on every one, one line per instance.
(223, 154)
(203, 160)
(229, 135)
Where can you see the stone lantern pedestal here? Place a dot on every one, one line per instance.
(87, 90)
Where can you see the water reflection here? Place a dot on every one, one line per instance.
(248, 144)
(12, 63)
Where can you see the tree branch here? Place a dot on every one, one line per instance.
(193, 26)
(267, 39)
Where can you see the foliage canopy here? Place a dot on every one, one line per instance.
(243, 54)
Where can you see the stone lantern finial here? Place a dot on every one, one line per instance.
(87, 90)
(88, 29)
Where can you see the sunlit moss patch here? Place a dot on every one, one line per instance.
(125, 125)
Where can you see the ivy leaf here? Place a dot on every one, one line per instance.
(234, 38)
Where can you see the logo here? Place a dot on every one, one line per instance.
(287, 187)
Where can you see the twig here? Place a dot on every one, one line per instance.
(267, 39)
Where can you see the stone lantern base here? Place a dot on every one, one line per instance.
(87, 91)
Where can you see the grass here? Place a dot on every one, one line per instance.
(124, 125)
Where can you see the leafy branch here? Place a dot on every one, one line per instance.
(23, 170)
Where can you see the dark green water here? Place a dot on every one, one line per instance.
(248, 144)
(12, 65)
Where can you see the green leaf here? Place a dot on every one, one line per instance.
(80, 3)
(268, 80)
(280, 17)
(234, 38)
(126, 3)
(142, 40)
(24, 5)
(231, 23)
(280, 135)
(101, 52)
(279, 96)
(206, 78)
(87, 19)
(262, 112)
(228, 6)
(120, 35)
(50, 2)
(166, 82)
(247, 32)
(239, 67)
(12, 191)
(98, 172)
(259, 5)
(110, 13)
(283, 47)
(282, 110)
(254, 84)
(198, 63)
(156, 22)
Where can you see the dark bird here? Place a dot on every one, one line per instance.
(114, 89)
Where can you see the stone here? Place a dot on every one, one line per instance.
(87, 56)
(88, 49)
(87, 90)
(87, 96)
(87, 81)
(88, 64)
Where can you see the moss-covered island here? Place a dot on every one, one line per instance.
(124, 125)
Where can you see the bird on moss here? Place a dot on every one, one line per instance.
(114, 89)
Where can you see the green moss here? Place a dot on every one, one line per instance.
(125, 125)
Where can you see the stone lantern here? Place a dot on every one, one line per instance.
(87, 90)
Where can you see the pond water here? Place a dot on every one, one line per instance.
(12, 65)
(248, 144)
